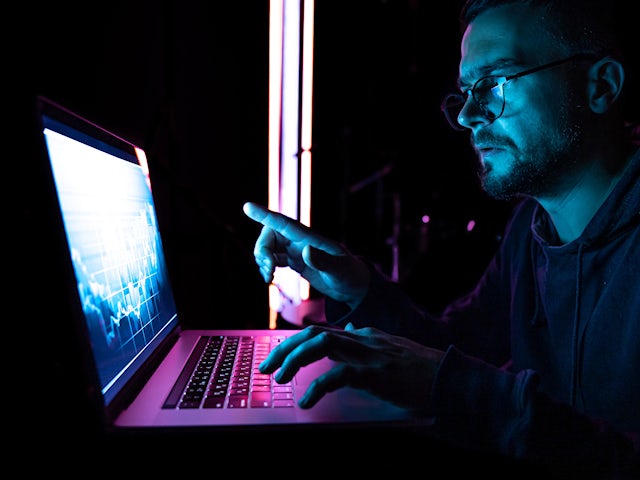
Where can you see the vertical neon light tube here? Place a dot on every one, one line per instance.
(306, 123)
(275, 100)
(289, 193)
(285, 278)
(290, 132)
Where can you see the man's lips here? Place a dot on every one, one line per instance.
(484, 148)
(485, 151)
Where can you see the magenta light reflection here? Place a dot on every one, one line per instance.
(471, 225)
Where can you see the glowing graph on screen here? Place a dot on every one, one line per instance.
(116, 250)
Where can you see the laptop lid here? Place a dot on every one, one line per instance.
(115, 250)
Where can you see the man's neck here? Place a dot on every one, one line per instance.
(574, 207)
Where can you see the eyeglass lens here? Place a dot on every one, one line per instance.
(487, 95)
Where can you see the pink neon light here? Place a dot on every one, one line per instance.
(471, 225)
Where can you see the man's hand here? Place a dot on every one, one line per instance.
(325, 264)
(393, 368)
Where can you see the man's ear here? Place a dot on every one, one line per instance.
(606, 78)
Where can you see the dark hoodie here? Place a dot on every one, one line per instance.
(543, 356)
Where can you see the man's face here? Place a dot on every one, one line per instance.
(532, 146)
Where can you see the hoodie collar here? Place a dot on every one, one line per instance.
(618, 212)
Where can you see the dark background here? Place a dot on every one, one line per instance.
(188, 80)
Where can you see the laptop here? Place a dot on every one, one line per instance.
(143, 370)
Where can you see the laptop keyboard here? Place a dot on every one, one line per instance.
(223, 372)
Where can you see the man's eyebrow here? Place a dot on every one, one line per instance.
(485, 70)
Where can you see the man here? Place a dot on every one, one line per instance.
(541, 361)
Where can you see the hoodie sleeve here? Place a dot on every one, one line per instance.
(478, 323)
(483, 408)
(388, 308)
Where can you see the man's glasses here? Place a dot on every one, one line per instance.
(488, 93)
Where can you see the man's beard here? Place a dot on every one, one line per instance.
(536, 170)
(535, 173)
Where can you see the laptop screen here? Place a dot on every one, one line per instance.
(110, 222)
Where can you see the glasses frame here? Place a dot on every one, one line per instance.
(501, 80)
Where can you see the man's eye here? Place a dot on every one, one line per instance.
(487, 84)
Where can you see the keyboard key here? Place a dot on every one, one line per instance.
(261, 399)
(213, 402)
(238, 401)
(283, 403)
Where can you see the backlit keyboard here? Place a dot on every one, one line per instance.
(223, 373)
